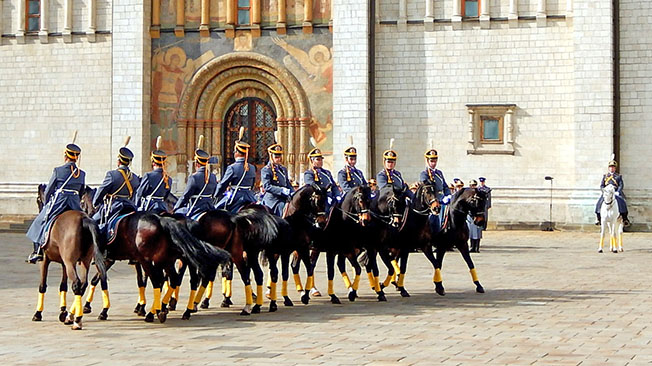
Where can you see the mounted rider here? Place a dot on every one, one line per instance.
(484, 188)
(198, 195)
(116, 193)
(62, 193)
(320, 176)
(389, 175)
(350, 177)
(240, 177)
(275, 180)
(434, 177)
(155, 185)
(616, 180)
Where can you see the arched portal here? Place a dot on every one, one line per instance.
(217, 85)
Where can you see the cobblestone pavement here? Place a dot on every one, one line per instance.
(551, 300)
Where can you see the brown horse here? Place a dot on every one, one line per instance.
(73, 238)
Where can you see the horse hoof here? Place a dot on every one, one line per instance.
(142, 311)
(244, 313)
(164, 308)
(173, 304)
(186, 315)
(381, 297)
(226, 302)
(600, 251)
(149, 318)
(246, 310)
(205, 303)
(256, 309)
(621, 250)
(194, 309)
(70, 319)
(87, 308)
(38, 317)
(104, 315)
(352, 295)
(614, 251)
(314, 292)
(268, 293)
(162, 316)
(305, 299)
(137, 309)
(77, 325)
(404, 292)
(439, 289)
(395, 285)
(62, 315)
(335, 300)
(479, 289)
(382, 287)
(272, 306)
(287, 301)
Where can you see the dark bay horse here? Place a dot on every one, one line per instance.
(455, 233)
(156, 242)
(73, 239)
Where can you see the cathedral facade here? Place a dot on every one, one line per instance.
(512, 90)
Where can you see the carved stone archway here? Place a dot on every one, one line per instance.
(204, 104)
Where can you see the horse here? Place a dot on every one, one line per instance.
(455, 233)
(343, 233)
(73, 239)
(156, 242)
(414, 234)
(611, 222)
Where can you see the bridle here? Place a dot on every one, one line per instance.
(432, 206)
(358, 217)
(313, 219)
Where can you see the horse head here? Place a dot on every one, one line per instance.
(87, 201)
(309, 201)
(390, 203)
(426, 198)
(40, 197)
(356, 202)
(473, 201)
(608, 193)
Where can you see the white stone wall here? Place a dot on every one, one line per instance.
(636, 105)
(350, 84)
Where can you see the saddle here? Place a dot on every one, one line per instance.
(112, 225)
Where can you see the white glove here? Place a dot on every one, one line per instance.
(329, 200)
(446, 200)
(617, 193)
(285, 191)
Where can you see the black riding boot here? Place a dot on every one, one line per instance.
(625, 219)
(36, 256)
(597, 223)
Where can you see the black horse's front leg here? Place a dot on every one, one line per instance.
(464, 251)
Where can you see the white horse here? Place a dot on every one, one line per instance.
(611, 221)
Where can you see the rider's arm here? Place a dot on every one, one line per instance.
(224, 182)
(102, 190)
(266, 177)
(308, 177)
(185, 197)
(139, 192)
(381, 179)
(49, 189)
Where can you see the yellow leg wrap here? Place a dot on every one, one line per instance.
(310, 282)
(209, 290)
(620, 240)
(78, 306)
(330, 287)
(141, 296)
(89, 298)
(297, 282)
(166, 285)
(613, 242)
(199, 294)
(176, 292)
(223, 285)
(401, 279)
(272, 290)
(229, 288)
(474, 275)
(376, 284)
(397, 269)
(356, 282)
(347, 280)
(106, 303)
(437, 277)
(602, 242)
(284, 288)
(387, 281)
(157, 301)
(269, 281)
(62, 299)
(191, 299)
(259, 295)
(168, 295)
(248, 298)
(372, 282)
(39, 303)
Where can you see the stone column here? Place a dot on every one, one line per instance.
(456, 19)
(67, 22)
(484, 14)
(230, 18)
(255, 18)
(541, 13)
(281, 21)
(402, 15)
(512, 17)
(43, 20)
(429, 19)
(131, 75)
(92, 20)
(179, 30)
(155, 28)
(204, 30)
(350, 81)
(307, 16)
(20, 31)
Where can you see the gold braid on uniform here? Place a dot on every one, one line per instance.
(273, 166)
(316, 174)
(389, 177)
(348, 173)
(75, 172)
(205, 174)
(430, 174)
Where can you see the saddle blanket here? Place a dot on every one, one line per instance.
(111, 227)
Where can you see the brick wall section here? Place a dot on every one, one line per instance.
(131, 80)
(350, 85)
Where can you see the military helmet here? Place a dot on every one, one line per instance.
(201, 156)
(390, 154)
(431, 154)
(350, 151)
(315, 153)
(241, 146)
(124, 154)
(158, 156)
(275, 149)
(72, 151)
(613, 163)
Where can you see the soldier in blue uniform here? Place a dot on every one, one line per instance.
(389, 175)
(484, 188)
(198, 196)
(433, 176)
(116, 193)
(155, 185)
(240, 177)
(62, 193)
(616, 180)
(475, 231)
(350, 177)
(322, 177)
(275, 181)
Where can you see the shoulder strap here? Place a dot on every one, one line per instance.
(126, 182)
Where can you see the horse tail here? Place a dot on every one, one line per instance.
(91, 226)
(256, 225)
(203, 256)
